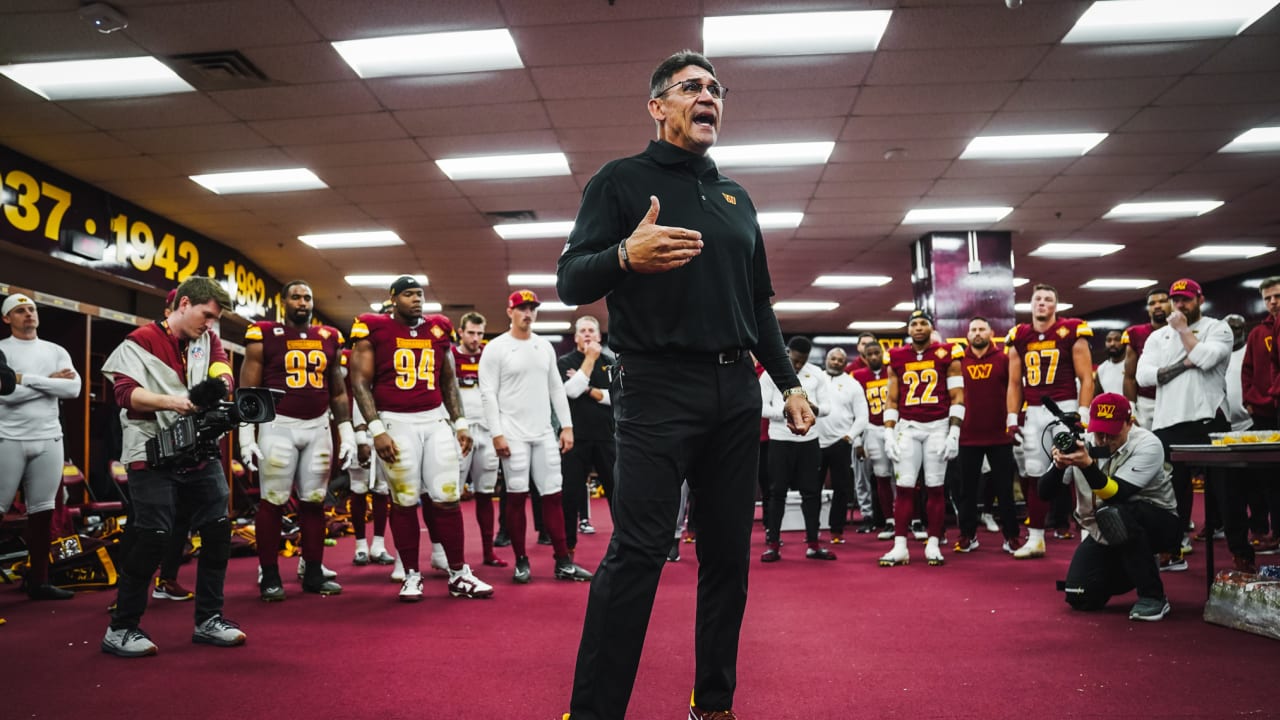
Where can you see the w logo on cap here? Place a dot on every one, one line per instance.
(1180, 285)
(528, 296)
(1104, 410)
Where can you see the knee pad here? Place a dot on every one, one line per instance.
(215, 543)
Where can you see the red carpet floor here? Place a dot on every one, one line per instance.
(983, 637)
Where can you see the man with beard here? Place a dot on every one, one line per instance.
(1110, 372)
(1257, 379)
(586, 381)
(874, 379)
(304, 362)
(922, 429)
(838, 432)
(1135, 339)
(480, 466)
(1186, 361)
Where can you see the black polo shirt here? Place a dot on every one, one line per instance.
(717, 302)
(591, 420)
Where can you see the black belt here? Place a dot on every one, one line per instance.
(726, 357)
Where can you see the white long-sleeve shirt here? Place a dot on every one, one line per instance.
(520, 386)
(1110, 377)
(31, 411)
(1233, 408)
(848, 416)
(1198, 392)
(814, 381)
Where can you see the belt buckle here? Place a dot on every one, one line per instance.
(729, 357)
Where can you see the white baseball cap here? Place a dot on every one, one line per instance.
(14, 301)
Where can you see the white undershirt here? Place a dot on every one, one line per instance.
(31, 411)
(520, 386)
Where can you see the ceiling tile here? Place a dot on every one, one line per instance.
(1076, 94)
(271, 103)
(912, 99)
(330, 129)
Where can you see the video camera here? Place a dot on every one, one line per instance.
(194, 438)
(1066, 440)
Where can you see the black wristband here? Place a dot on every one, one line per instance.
(626, 259)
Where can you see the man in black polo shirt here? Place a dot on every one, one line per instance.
(688, 298)
(585, 372)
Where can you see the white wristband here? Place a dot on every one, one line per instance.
(461, 424)
(957, 412)
(376, 428)
(1011, 420)
(346, 432)
(362, 437)
(891, 415)
(955, 382)
(248, 434)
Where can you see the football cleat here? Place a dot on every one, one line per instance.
(918, 531)
(965, 544)
(382, 557)
(567, 569)
(302, 570)
(411, 589)
(522, 574)
(361, 558)
(933, 553)
(397, 573)
(899, 555)
(989, 522)
(270, 587)
(1032, 548)
(819, 553)
(501, 539)
(887, 533)
(463, 584)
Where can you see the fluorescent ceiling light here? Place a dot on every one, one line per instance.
(520, 231)
(1026, 307)
(431, 307)
(804, 306)
(260, 181)
(947, 243)
(1019, 282)
(551, 325)
(431, 53)
(905, 306)
(851, 281)
(779, 220)
(77, 79)
(380, 281)
(1118, 283)
(490, 167)
(1031, 146)
(1109, 324)
(834, 339)
(876, 325)
(805, 153)
(1260, 139)
(375, 238)
(1252, 284)
(794, 33)
(957, 214)
(555, 306)
(1220, 252)
(1165, 20)
(525, 279)
(1076, 250)
(1162, 210)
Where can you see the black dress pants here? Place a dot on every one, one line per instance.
(677, 418)
(794, 462)
(1002, 469)
(1099, 572)
(837, 459)
(575, 466)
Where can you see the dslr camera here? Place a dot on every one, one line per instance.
(1066, 440)
(193, 439)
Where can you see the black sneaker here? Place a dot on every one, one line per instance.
(270, 587)
(770, 554)
(673, 555)
(567, 569)
(1111, 525)
(522, 574)
(501, 539)
(544, 538)
(1149, 609)
(320, 586)
(866, 526)
(819, 553)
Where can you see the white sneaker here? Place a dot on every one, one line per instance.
(933, 553)
(887, 533)
(1032, 548)
(219, 631)
(411, 589)
(128, 643)
(302, 570)
(1007, 547)
(463, 584)
(397, 573)
(989, 522)
(585, 527)
(439, 560)
(898, 555)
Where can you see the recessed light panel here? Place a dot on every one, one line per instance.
(113, 78)
(1261, 139)
(1075, 250)
(1025, 307)
(555, 306)
(906, 306)
(380, 281)
(1005, 147)
(804, 306)
(1127, 21)
(531, 280)
(794, 33)
(1227, 252)
(260, 181)
(876, 325)
(779, 220)
(497, 167)
(851, 281)
(1019, 282)
(431, 53)
(329, 241)
(551, 326)
(808, 153)
(521, 231)
(982, 215)
(1118, 283)
(1162, 210)
(835, 339)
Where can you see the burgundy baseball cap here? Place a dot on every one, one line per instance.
(168, 299)
(1186, 287)
(1109, 413)
(523, 297)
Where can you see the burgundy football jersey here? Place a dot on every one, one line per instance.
(407, 361)
(1047, 366)
(297, 362)
(467, 367)
(986, 381)
(876, 386)
(1136, 338)
(922, 381)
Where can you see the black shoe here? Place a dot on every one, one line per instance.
(522, 574)
(819, 553)
(566, 569)
(501, 539)
(315, 582)
(48, 592)
(270, 587)
(673, 555)
(865, 527)
(1111, 525)
(771, 554)
(544, 538)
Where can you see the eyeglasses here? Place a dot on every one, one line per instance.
(695, 88)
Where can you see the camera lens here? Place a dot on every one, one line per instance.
(250, 407)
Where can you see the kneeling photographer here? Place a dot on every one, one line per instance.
(1125, 504)
(169, 377)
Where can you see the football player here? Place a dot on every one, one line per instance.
(922, 428)
(359, 474)
(1048, 358)
(480, 466)
(874, 378)
(405, 387)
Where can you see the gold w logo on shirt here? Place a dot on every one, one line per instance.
(729, 198)
(979, 372)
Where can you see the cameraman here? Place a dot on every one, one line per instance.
(1126, 507)
(153, 370)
